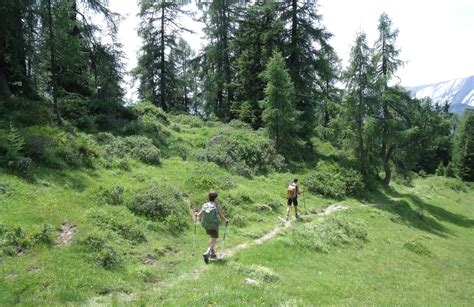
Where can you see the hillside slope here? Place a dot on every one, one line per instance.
(77, 236)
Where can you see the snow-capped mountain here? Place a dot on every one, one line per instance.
(458, 92)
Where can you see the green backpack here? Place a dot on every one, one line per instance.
(210, 219)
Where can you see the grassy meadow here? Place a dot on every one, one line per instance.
(410, 244)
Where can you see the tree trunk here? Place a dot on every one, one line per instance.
(163, 64)
(54, 66)
(388, 172)
(225, 50)
(4, 87)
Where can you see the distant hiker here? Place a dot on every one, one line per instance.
(209, 217)
(293, 191)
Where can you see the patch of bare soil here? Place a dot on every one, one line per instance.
(66, 235)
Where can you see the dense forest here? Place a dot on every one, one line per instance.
(268, 64)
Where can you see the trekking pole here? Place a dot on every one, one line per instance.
(194, 239)
(225, 235)
(304, 204)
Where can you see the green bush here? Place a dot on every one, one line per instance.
(440, 170)
(191, 120)
(137, 147)
(255, 271)
(449, 171)
(101, 251)
(76, 110)
(162, 203)
(126, 227)
(245, 153)
(25, 112)
(16, 239)
(54, 147)
(113, 195)
(334, 181)
(209, 177)
(146, 108)
(417, 247)
(11, 155)
(142, 148)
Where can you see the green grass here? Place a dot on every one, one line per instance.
(380, 271)
(418, 248)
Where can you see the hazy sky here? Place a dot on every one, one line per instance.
(436, 36)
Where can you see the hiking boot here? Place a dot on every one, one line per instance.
(206, 257)
(287, 218)
(213, 255)
(297, 216)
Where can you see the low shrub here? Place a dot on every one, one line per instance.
(54, 147)
(126, 227)
(16, 239)
(334, 181)
(142, 148)
(137, 147)
(255, 271)
(101, 251)
(162, 203)
(113, 195)
(245, 153)
(146, 108)
(11, 155)
(193, 121)
(417, 247)
(209, 177)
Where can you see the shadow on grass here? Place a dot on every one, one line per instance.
(440, 213)
(403, 213)
(75, 180)
(410, 209)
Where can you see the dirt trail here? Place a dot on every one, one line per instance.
(196, 272)
(231, 252)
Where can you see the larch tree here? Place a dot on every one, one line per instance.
(159, 29)
(279, 112)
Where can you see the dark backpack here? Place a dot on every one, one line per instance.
(210, 218)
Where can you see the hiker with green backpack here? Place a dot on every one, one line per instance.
(210, 216)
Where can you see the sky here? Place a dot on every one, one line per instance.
(436, 37)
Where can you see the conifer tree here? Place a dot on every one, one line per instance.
(181, 60)
(394, 129)
(217, 58)
(359, 98)
(159, 29)
(305, 41)
(464, 149)
(258, 34)
(279, 113)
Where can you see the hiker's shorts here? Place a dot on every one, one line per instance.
(213, 233)
(293, 200)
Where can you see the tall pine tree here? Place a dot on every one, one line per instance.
(279, 113)
(159, 29)
(359, 98)
(305, 41)
(464, 148)
(258, 34)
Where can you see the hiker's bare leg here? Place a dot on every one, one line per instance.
(212, 244)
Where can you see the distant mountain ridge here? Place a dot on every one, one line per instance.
(458, 92)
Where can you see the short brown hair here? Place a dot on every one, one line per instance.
(212, 196)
